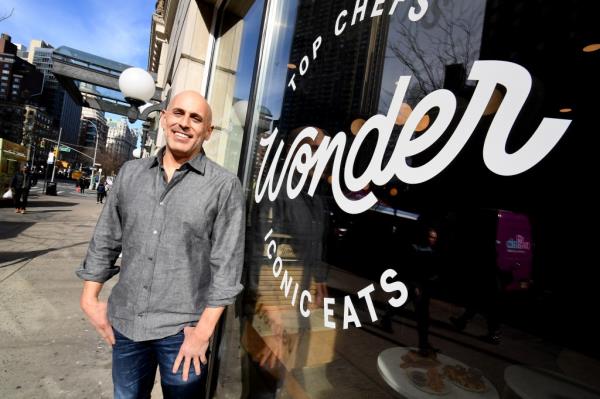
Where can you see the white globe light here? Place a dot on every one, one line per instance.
(137, 153)
(137, 84)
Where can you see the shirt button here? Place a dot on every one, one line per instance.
(150, 258)
(161, 203)
(140, 315)
(155, 232)
(145, 287)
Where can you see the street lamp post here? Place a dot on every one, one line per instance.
(91, 187)
(57, 155)
(138, 87)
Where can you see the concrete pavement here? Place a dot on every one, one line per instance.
(47, 347)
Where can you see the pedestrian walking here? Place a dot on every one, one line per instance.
(81, 183)
(178, 218)
(426, 274)
(21, 184)
(100, 191)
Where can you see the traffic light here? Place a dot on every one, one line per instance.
(43, 143)
(55, 152)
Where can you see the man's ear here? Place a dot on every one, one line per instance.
(162, 119)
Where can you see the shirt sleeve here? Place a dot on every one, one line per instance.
(227, 250)
(105, 246)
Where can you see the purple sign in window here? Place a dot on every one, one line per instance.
(514, 247)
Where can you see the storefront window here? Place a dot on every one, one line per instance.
(232, 78)
(417, 176)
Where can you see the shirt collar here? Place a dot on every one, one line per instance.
(198, 163)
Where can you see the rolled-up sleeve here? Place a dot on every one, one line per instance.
(105, 246)
(227, 249)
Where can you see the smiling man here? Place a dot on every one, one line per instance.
(178, 220)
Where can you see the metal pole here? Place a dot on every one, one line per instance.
(33, 156)
(91, 187)
(45, 176)
(57, 155)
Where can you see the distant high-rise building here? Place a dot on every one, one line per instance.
(21, 120)
(19, 80)
(326, 100)
(93, 122)
(60, 105)
(22, 51)
(121, 140)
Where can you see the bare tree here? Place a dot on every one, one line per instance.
(426, 51)
(6, 16)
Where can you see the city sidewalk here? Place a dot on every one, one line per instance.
(47, 347)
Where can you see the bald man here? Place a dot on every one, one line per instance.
(178, 219)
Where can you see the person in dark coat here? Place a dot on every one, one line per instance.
(425, 273)
(21, 184)
(81, 183)
(101, 191)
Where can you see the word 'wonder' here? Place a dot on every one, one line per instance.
(516, 80)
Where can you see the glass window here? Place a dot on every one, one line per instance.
(419, 180)
(232, 78)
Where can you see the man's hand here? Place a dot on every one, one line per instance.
(271, 352)
(96, 313)
(193, 350)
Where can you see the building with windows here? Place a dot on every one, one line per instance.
(19, 80)
(22, 51)
(22, 119)
(88, 131)
(121, 140)
(59, 104)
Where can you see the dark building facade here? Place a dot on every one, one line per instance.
(65, 111)
(19, 80)
(22, 118)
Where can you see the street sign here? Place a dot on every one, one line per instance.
(65, 149)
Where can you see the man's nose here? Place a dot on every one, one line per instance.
(184, 122)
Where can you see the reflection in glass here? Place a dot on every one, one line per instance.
(232, 79)
(488, 292)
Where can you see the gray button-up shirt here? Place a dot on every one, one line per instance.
(182, 244)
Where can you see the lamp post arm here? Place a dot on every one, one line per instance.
(91, 187)
(153, 108)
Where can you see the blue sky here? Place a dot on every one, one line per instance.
(115, 29)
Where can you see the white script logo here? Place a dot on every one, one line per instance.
(513, 77)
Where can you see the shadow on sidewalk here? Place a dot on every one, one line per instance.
(50, 210)
(38, 204)
(18, 257)
(13, 229)
(49, 204)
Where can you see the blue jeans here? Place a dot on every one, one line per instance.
(134, 369)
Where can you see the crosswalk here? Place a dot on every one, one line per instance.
(62, 189)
